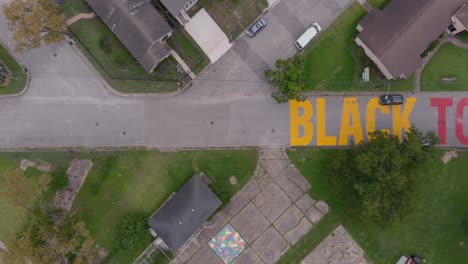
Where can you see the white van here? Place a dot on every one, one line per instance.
(307, 36)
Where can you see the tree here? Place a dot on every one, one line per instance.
(18, 190)
(288, 78)
(52, 235)
(35, 22)
(379, 176)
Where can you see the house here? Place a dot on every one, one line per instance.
(179, 8)
(395, 37)
(140, 28)
(179, 218)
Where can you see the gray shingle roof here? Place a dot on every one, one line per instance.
(462, 15)
(177, 220)
(174, 6)
(138, 26)
(400, 33)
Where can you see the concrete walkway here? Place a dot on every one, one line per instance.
(183, 64)
(271, 213)
(365, 5)
(74, 19)
(339, 247)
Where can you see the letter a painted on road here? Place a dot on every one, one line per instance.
(296, 122)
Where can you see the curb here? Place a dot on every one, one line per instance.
(26, 73)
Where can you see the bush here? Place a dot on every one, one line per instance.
(431, 48)
(105, 44)
(131, 230)
(289, 79)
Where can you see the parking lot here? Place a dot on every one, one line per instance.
(244, 65)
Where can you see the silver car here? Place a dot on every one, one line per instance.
(256, 27)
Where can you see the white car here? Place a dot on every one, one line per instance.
(307, 36)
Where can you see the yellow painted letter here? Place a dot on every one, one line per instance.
(303, 121)
(372, 106)
(401, 119)
(350, 122)
(322, 138)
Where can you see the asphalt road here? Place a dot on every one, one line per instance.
(67, 104)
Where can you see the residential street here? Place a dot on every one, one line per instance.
(67, 104)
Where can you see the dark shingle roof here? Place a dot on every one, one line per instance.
(177, 220)
(138, 26)
(174, 6)
(400, 33)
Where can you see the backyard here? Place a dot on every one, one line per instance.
(433, 228)
(18, 78)
(449, 62)
(128, 183)
(224, 13)
(334, 62)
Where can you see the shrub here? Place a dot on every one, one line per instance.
(105, 44)
(131, 231)
(431, 47)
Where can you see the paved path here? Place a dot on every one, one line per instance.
(74, 19)
(271, 213)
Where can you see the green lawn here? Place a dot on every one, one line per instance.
(223, 12)
(433, 228)
(463, 36)
(449, 61)
(126, 183)
(17, 84)
(138, 182)
(186, 47)
(380, 4)
(333, 61)
(72, 8)
(118, 67)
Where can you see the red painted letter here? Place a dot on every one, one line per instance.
(442, 104)
(459, 121)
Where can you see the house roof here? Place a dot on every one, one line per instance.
(400, 33)
(174, 6)
(138, 26)
(462, 15)
(180, 217)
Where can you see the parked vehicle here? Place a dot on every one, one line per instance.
(391, 99)
(256, 27)
(307, 36)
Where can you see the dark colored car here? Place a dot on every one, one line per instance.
(256, 27)
(391, 99)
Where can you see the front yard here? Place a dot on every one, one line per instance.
(433, 228)
(18, 78)
(224, 13)
(333, 61)
(450, 61)
(128, 183)
(118, 66)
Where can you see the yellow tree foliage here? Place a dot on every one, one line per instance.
(34, 22)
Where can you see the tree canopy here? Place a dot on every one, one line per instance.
(34, 22)
(288, 78)
(379, 176)
(52, 235)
